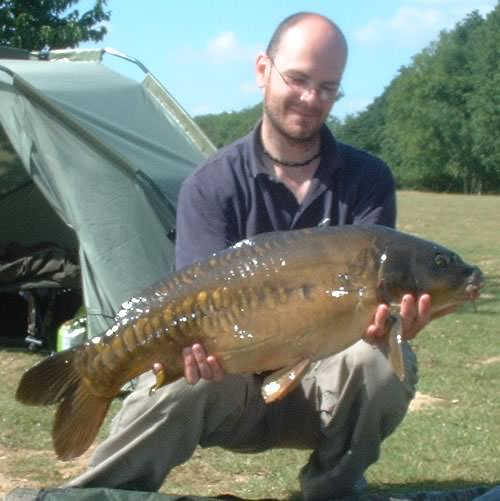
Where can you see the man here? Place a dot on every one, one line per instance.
(288, 173)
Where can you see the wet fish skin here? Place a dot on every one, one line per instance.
(273, 301)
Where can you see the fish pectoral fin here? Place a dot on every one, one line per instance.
(281, 382)
(161, 380)
(395, 340)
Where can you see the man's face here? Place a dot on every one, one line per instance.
(301, 84)
(294, 115)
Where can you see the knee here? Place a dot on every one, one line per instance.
(386, 396)
(378, 376)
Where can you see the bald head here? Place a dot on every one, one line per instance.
(308, 21)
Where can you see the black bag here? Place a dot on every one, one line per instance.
(40, 287)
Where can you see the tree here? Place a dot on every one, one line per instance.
(35, 24)
(428, 124)
(364, 129)
(437, 122)
(225, 128)
(484, 103)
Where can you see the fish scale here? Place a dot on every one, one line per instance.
(205, 314)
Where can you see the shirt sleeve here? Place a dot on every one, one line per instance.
(202, 226)
(376, 202)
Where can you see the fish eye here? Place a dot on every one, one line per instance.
(442, 260)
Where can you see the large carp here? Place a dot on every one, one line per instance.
(275, 302)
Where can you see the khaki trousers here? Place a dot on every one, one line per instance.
(344, 408)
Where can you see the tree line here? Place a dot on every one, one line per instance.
(436, 123)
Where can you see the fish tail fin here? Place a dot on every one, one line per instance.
(80, 414)
(78, 420)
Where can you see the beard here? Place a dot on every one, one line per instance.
(294, 129)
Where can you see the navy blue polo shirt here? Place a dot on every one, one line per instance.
(233, 196)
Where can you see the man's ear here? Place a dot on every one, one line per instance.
(262, 66)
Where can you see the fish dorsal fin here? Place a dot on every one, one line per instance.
(281, 382)
(395, 340)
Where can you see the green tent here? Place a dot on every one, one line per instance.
(92, 161)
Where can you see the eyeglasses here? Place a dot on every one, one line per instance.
(302, 84)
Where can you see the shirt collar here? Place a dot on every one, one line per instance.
(330, 157)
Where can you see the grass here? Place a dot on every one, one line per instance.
(451, 444)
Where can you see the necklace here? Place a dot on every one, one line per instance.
(290, 164)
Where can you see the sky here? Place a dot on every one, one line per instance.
(203, 51)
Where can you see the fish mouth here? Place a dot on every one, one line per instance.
(472, 292)
(472, 289)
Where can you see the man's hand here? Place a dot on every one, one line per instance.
(197, 365)
(415, 315)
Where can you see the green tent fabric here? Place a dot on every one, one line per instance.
(96, 163)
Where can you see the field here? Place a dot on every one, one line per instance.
(449, 440)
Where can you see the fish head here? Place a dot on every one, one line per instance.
(411, 265)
